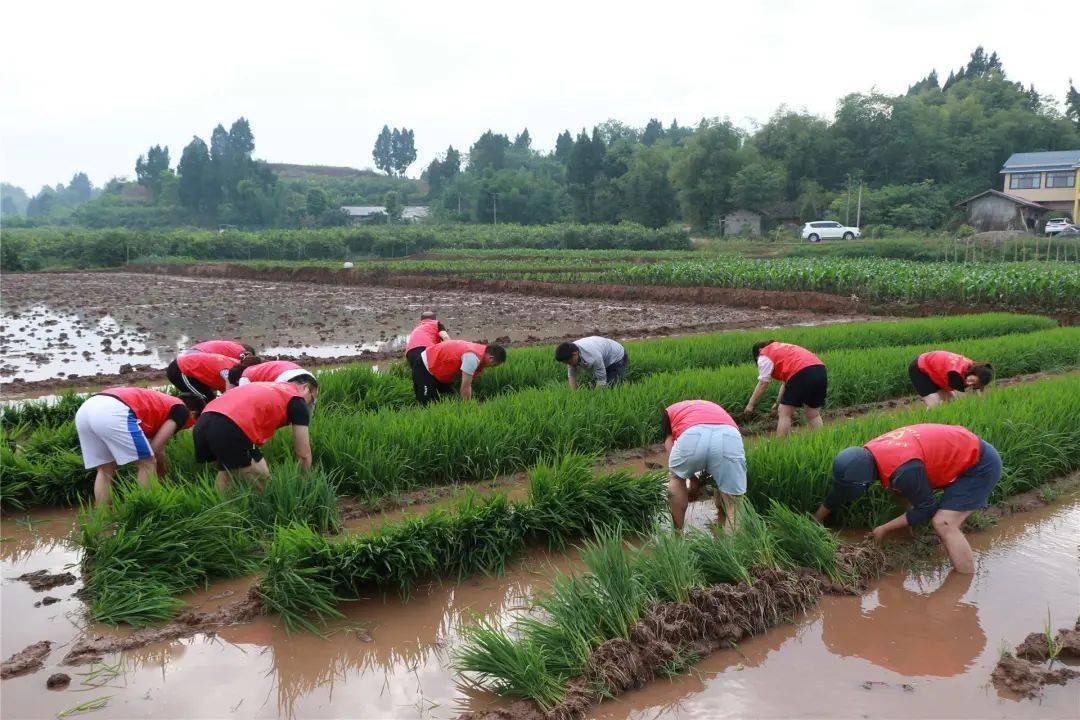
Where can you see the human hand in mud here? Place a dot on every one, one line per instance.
(879, 533)
(748, 411)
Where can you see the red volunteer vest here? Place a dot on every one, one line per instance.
(258, 409)
(151, 407)
(946, 450)
(688, 413)
(228, 348)
(789, 359)
(425, 334)
(444, 359)
(206, 367)
(939, 363)
(268, 371)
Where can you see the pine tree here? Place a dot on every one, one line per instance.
(194, 169)
(654, 130)
(564, 144)
(1072, 104)
(383, 152)
(523, 141)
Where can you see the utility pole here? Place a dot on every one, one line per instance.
(494, 208)
(858, 207)
(847, 205)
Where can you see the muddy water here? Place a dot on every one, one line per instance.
(915, 646)
(64, 324)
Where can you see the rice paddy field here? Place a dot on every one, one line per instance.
(512, 556)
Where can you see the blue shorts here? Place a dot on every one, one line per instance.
(716, 449)
(971, 491)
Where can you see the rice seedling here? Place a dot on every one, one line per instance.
(717, 557)
(85, 707)
(668, 567)
(754, 543)
(307, 573)
(508, 667)
(620, 590)
(806, 542)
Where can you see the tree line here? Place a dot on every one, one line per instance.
(915, 154)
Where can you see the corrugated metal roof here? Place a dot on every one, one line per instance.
(1053, 160)
(997, 193)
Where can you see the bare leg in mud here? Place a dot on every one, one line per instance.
(947, 525)
(103, 484)
(258, 471)
(786, 415)
(813, 418)
(679, 497)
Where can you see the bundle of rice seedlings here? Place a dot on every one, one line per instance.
(754, 543)
(805, 541)
(507, 666)
(667, 567)
(717, 557)
(293, 496)
(622, 594)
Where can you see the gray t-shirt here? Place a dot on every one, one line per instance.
(597, 354)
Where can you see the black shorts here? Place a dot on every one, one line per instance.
(194, 393)
(806, 387)
(413, 356)
(922, 382)
(426, 386)
(218, 439)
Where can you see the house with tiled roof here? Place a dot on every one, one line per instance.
(1051, 179)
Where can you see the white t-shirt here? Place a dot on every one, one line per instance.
(764, 368)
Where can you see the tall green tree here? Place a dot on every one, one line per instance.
(402, 149)
(489, 152)
(383, 152)
(79, 189)
(647, 193)
(705, 169)
(196, 175)
(1072, 104)
(654, 131)
(523, 141)
(564, 144)
(151, 168)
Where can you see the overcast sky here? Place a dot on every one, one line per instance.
(89, 86)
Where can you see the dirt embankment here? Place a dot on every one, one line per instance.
(92, 649)
(673, 635)
(1032, 667)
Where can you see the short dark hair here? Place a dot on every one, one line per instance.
(306, 380)
(565, 351)
(496, 351)
(758, 347)
(248, 349)
(983, 372)
(665, 423)
(428, 315)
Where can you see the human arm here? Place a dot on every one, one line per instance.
(779, 394)
(443, 335)
(571, 377)
(466, 385)
(600, 375)
(302, 445)
(470, 363)
(765, 369)
(910, 481)
(161, 438)
(956, 382)
(756, 395)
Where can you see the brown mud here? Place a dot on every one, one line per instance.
(734, 297)
(29, 659)
(1027, 678)
(40, 580)
(73, 330)
(936, 633)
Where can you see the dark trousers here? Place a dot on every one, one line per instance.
(617, 371)
(194, 393)
(426, 386)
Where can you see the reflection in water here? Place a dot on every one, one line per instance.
(909, 632)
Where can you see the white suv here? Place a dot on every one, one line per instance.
(1056, 225)
(827, 229)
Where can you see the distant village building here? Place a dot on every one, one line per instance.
(1035, 187)
(741, 222)
(365, 214)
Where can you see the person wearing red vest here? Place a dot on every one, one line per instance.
(803, 382)
(228, 348)
(441, 364)
(232, 427)
(124, 425)
(429, 332)
(939, 374)
(200, 375)
(916, 461)
(269, 371)
(700, 436)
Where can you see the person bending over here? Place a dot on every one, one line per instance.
(915, 461)
(269, 371)
(125, 425)
(803, 382)
(200, 376)
(939, 374)
(429, 332)
(228, 348)
(702, 437)
(440, 365)
(606, 359)
(233, 427)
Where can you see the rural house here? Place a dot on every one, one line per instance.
(1035, 186)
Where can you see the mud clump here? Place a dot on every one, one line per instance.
(1034, 648)
(29, 659)
(1027, 678)
(40, 580)
(187, 624)
(58, 681)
